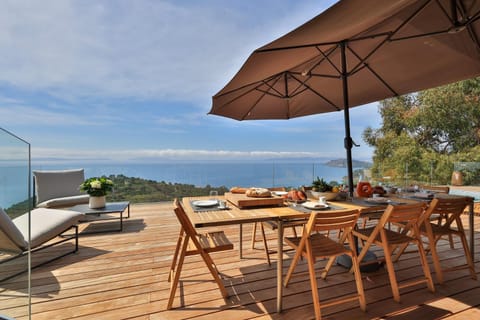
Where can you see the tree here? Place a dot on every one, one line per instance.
(423, 134)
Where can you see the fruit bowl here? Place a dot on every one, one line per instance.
(328, 195)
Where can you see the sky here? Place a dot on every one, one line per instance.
(133, 80)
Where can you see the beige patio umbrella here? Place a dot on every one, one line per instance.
(354, 53)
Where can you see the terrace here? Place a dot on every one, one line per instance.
(123, 275)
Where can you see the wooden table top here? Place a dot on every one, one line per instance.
(235, 215)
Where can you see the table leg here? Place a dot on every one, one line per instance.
(280, 266)
(121, 216)
(240, 235)
(472, 226)
(121, 221)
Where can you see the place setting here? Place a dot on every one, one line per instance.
(377, 200)
(308, 205)
(212, 204)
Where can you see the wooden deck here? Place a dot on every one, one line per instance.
(123, 275)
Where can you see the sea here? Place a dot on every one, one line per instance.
(13, 179)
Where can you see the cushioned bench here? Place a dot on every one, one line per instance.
(59, 188)
(46, 224)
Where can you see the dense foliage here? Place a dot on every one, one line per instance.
(141, 190)
(424, 134)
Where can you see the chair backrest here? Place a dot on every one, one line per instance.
(325, 221)
(404, 214)
(451, 208)
(57, 183)
(440, 189)
(11, 238)
(183, 218)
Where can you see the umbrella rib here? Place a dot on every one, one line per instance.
(245, 93)
(277, 78)
(254, 105)
(388, 36)
(453, 20)
(325, 57)
(313, 74)
(366, 65)
(469, 23)
(317, 93)
(271, 86)
(329, 43)
(406, 21)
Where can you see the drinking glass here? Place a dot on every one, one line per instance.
(214, 195)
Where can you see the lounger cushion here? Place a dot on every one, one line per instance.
(46, 224)
(64, 201)
(58, 183)
(11, 239)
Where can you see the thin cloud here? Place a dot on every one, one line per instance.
(45, 154)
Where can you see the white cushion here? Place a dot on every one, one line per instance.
(64, 202)
(46, 224)
(11, 239)
(58, 184)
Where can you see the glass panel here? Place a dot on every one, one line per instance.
(15, 201)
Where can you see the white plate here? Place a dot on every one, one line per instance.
(205, 203)
(279, 193)
(315, 205)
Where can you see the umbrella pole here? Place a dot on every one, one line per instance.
(346, 105)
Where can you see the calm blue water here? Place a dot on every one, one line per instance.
(213, 173)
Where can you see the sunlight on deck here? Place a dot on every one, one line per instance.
(123, 275)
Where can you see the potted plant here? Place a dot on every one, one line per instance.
(97, 188)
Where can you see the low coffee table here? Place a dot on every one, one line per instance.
(110, 207)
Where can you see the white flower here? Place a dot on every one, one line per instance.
(96, 184)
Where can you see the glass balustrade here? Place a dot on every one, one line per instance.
(15, 200)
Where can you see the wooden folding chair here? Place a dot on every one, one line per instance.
(439, 217)
(408, 216)
(438, 189)
(273, 225)
(313, 245)
(191, 243)
(450, 209)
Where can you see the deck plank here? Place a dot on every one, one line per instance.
(122, 275)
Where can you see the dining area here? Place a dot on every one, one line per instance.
(125, 275)
(307, 232)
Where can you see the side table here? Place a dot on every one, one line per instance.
(110, 207)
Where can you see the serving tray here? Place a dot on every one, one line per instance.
(241, 200)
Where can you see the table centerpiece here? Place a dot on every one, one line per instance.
(97, 188)
(320, 188)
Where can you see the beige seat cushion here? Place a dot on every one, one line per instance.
(46, 224)
(11, 239)
(58, 184)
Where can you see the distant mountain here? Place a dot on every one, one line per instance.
(342, 163)
(298, 159)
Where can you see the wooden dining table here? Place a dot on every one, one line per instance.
(282, 214)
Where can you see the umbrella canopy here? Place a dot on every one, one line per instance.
(354, 53)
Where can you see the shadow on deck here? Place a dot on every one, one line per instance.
(123, 275)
